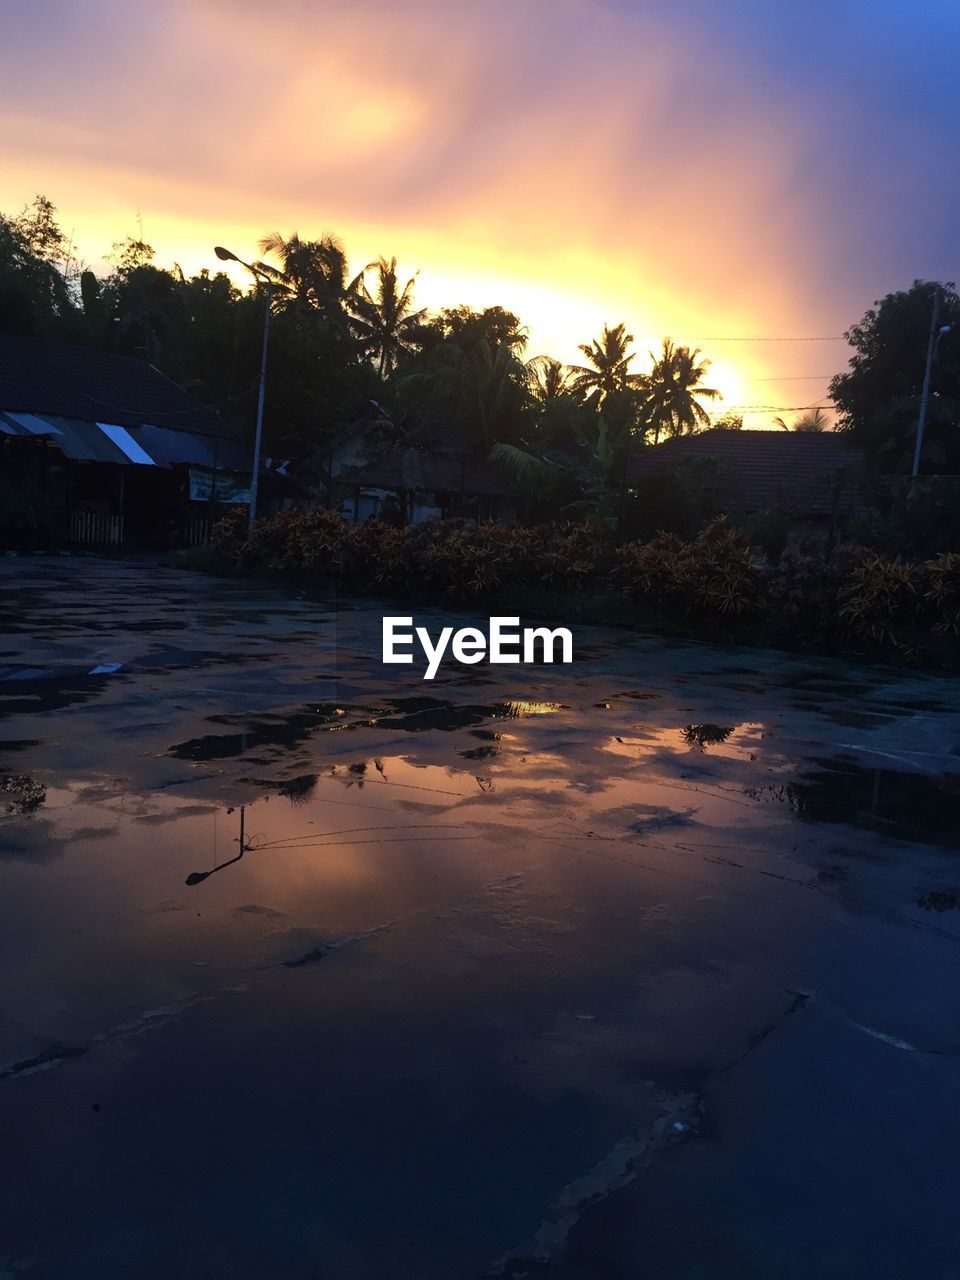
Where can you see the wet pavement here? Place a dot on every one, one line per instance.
(646, 966)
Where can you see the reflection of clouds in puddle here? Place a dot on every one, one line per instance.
(174, 815)
(654, 817)
(258, 909)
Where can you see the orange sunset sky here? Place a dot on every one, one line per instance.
(696, 170)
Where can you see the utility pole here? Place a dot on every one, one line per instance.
(261, 276)
(932, 345)
(255, 477)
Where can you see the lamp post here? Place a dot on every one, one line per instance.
(933, 344)
(226, 256)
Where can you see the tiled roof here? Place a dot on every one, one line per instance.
(798, 470)
(42, 377)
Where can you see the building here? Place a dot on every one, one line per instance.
(816, 479)
(415, 484)
(369, 472)
(102, 449)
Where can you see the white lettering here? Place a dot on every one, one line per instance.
(434, 654)
(498, 638)
(532, 634)
(391, 639)
(469, 645)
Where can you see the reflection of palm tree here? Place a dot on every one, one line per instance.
(701, 736)
(384, 321)
(673, 387)
(608, 371)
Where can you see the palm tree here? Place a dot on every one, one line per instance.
(672, 390)
(814, 419)
(384, 321)
(311, 272)
(549, 379)
(486, 389)
(608, 372)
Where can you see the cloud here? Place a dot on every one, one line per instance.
(694, 169)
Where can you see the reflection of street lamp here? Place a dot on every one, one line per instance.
(226, 256)
(197, 877)
(933, 346)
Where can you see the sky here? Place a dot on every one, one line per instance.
(699, 170)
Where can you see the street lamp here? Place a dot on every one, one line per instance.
(226, 256)
(933, 345)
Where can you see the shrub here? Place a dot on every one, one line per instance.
(717, 577)
(717, 572)
(941, 592)
(802, 592)
(881, 603)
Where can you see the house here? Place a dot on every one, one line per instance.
(422, 483)
(372, 474)
(816, 479)
(103, 449)
(368, 433)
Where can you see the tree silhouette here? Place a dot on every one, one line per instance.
(814, 419)
(878, 397)
(485, 390)
(312, 273)
(608, 371)
(384, 322)
(672, 389)
(549, 379)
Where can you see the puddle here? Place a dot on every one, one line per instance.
(49, 692)
(940, 900)
(517, 708)
(851, 718)
(702, 736)
(905, 805)
(538, 907)
(20, 794)
(417, 715)
(264, 731)
(407, 715)
(721, 742)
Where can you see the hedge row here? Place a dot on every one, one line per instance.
(717, 581)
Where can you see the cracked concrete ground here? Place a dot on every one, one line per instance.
(645, 966)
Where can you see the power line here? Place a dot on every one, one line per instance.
(835, 338)
(777, 408)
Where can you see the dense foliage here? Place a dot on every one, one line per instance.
(461, 375)
(878, 398)
(717, 583)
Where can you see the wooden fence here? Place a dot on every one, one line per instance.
(197, 533)
(91, 528)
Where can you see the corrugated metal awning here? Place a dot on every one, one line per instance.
(122, 438)
(31, 424)
(85, 442)
(168, 447)
(81, 441)
(127, 446)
